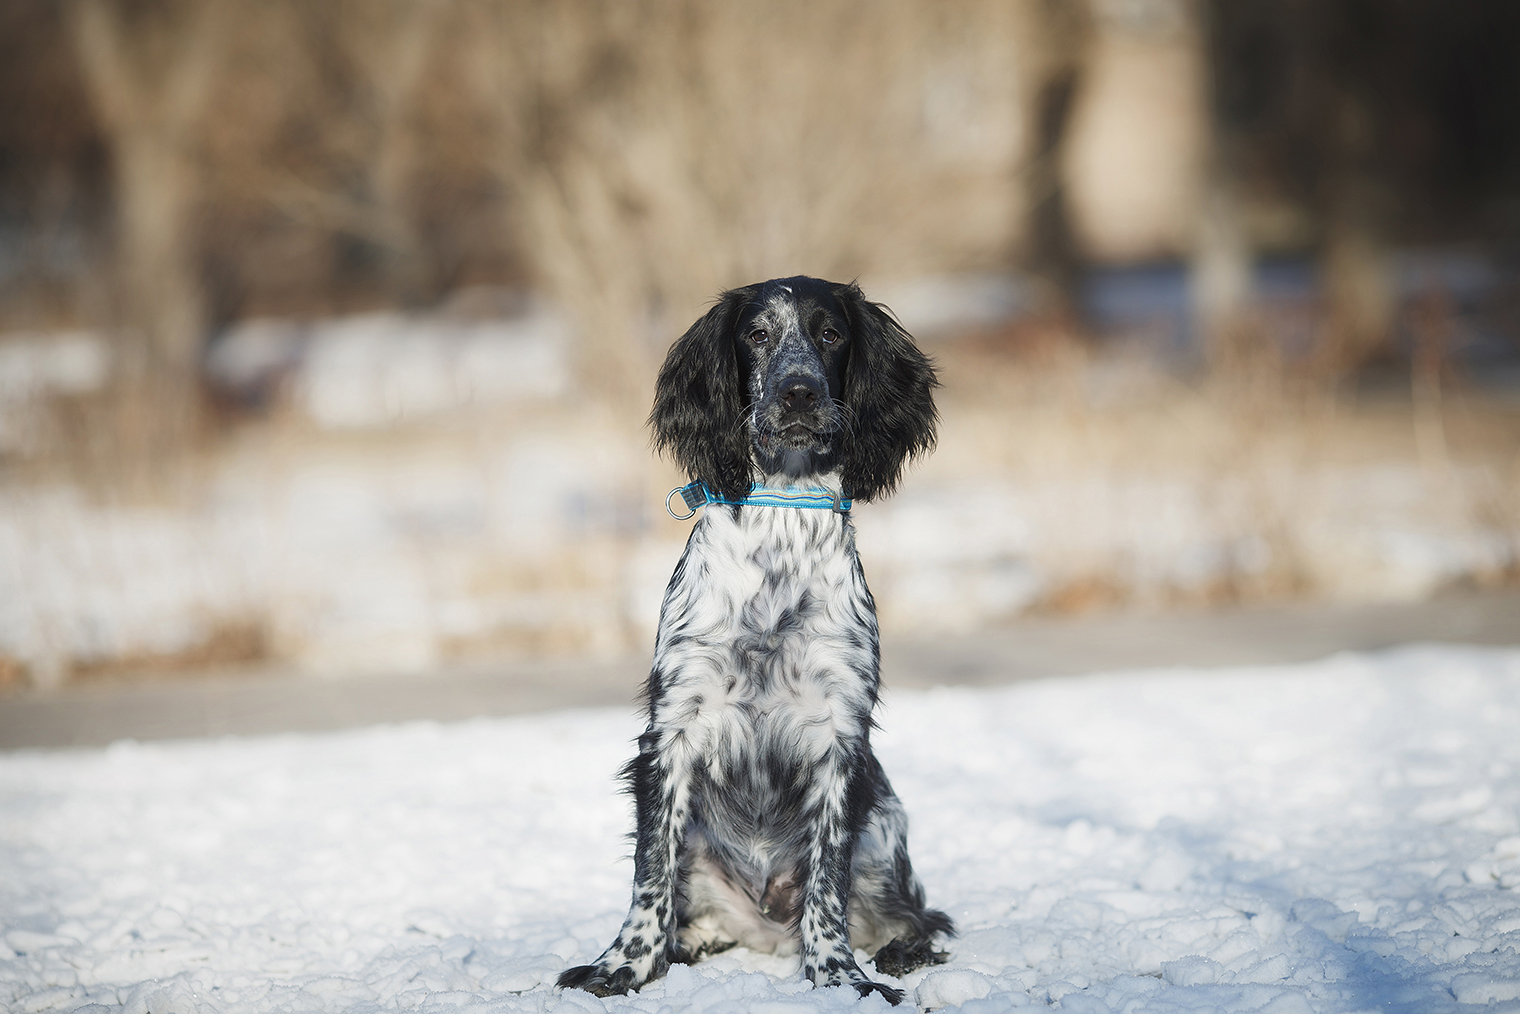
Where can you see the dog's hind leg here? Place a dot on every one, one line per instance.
(647, 943)
(888, 915)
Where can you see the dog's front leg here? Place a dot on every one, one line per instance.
(660, 779)
(827, 957)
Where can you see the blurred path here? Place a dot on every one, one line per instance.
(276, 702)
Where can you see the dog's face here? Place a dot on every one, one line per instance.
(792, 343)
(797, 378)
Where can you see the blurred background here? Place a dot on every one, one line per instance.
(328, 329)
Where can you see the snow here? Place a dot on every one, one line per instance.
(36, 366)
(938, 306)
(383, 369)
(1337, 836)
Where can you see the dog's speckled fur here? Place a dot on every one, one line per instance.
(763, 818)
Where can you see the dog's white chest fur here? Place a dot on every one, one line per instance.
(766, 629)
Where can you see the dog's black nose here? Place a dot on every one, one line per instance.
(798, 393)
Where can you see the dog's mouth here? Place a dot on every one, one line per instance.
(794, 448)
(793, 430)
(795, 434)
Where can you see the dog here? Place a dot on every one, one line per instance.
(763, 818)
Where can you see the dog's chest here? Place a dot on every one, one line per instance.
(767, 645)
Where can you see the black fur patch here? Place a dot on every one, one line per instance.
(900, 957)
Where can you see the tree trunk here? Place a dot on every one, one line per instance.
(148, 76)
(1052, 254)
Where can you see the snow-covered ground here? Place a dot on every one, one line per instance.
(1337, 836)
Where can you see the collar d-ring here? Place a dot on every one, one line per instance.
(686, 499)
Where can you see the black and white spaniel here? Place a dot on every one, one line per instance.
(763, 817)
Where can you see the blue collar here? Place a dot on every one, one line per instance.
(698, 494)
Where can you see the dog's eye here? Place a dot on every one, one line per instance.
(830, 336)
(759, 335)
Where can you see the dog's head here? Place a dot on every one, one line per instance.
(795, 378)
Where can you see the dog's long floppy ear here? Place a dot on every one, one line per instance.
(699, 401)
(889, 390)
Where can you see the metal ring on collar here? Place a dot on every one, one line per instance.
(678, 517)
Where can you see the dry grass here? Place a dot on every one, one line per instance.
(1257, 455)
(535, 529)
(229, 644)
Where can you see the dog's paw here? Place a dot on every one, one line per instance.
(600, 979)
(901, 956)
